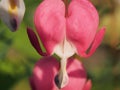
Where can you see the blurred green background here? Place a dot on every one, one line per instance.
(17, 56)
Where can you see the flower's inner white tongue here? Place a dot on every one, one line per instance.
(64, 50)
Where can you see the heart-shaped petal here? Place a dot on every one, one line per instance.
(82, 24)
(50, 22)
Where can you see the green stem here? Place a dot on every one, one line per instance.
(66, 7)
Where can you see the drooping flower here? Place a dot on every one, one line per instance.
(12, 12)
(47, 68)
(66, 31)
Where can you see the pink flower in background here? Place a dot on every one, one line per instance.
(66, 30)
(46, 69)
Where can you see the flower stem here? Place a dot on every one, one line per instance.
(66, 7)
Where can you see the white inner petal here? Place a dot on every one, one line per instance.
(65, 49)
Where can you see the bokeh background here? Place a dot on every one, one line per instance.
(17, 56)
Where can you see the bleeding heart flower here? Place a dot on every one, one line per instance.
(12, 12)
(47, 68)
(66, 30)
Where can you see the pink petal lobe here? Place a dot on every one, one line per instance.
(88, 85)
(34, 41)
(82, 23)
(47, 68)
(49, 21)
(44, 72)
(98, 39)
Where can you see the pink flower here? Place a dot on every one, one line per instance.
(66, 31)
(46, 69)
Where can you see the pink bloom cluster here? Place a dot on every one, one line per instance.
(65, 30)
